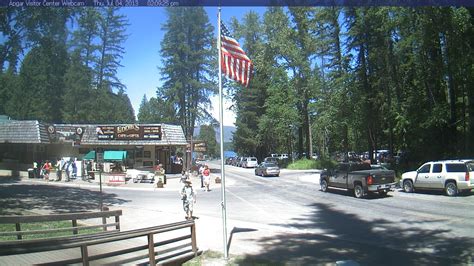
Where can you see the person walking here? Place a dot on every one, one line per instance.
(46, 170)
(35, 170)
(59, 169)
(68, 170)
(188, 196)
(207, 177)
(184, 176)
(201, 168)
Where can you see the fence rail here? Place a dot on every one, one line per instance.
(18, 220)
(179, 246)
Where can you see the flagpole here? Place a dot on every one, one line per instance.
(221, 120)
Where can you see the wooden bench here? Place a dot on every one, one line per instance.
(164, 244)
(74, 228)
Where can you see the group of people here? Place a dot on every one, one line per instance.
(188, 195)
(43, 170)
(69, 167)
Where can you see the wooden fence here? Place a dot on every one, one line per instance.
(18, 220)
(170, 243)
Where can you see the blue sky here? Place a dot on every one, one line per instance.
(142, 58)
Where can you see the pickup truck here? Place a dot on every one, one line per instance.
(361, 178)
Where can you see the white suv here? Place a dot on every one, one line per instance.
(250, 162)
(453, 176)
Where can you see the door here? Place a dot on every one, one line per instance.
(436, 177)
(339, 177)
(422, 176)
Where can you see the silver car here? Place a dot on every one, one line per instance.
(267, 169)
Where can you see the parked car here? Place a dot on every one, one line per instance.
(452, 176)
(249, 162)
(271, 160)
(239, 161)
(359, 178)
(230, 160)
(267, 169)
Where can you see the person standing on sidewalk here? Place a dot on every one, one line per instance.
(59, 169)
(201, 168)
(207, 177)
(46, 170)
(188, 196)
(35, 170)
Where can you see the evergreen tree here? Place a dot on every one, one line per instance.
(208, 135)
(112, 35)
(41, 84)
(188, 66)
(251, 100)
(78, 97)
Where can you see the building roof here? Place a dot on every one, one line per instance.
(32, 131)
(172, 135)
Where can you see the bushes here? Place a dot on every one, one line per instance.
(305, 164)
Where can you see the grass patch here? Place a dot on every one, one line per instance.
(44, 226)
(307, 164)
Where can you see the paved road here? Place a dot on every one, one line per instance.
(287, 218)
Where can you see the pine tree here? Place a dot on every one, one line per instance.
(188, 66)
(112, 35)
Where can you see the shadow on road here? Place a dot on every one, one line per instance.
(350, 193)
(238, 230)
(9, 180)
(347, 237)
(17, 198)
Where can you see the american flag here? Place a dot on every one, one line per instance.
(234, 62)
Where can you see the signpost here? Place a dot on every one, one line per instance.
(100, 160)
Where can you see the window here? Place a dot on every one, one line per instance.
(424, 169)
(455, 167)
(470, 166)
(437, 168)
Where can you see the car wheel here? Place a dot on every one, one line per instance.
(324, 185)
(451, 189)
(256, 172)
(383, 194)
(358, 191)
(408, 186)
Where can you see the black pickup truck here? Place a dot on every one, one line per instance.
(361, 178)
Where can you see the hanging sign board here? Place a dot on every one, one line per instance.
(129, 132)
(65, 134)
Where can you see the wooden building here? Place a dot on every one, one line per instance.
(22, 142)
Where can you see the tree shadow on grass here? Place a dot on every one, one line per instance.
(344, 237)
(18, 198)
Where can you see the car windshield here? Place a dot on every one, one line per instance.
(270, 165)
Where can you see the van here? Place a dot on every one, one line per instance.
(250, 162)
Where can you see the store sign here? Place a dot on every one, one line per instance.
(129, 132)
(65, 134)
(198, 146)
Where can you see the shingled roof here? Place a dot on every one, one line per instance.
(13, 131)
(172, 135)
(31, 131)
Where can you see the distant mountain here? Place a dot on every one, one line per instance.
(228, 133)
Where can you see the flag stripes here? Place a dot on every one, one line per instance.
(235, 63)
